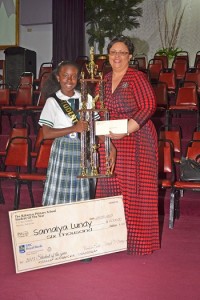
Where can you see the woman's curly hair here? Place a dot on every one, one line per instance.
(122, 39)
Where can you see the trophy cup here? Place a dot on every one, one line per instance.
(89, 143)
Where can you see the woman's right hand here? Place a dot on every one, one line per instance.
(112, 157)
(81, 126)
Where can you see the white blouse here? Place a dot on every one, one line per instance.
(52, 114)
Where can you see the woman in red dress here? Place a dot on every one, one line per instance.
(128, 95)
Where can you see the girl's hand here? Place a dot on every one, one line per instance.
(81, 126)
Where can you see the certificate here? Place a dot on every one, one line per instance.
(115, 126)
(52, 235)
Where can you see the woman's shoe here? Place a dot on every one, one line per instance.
(86, 260)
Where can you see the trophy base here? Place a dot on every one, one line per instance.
(96, 176)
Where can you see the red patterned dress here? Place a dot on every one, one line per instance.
(136, 163)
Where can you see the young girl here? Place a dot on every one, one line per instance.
(62, 184)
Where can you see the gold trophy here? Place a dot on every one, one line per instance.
(89, 143)
(91, 66)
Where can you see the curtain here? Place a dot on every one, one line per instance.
(68, 29)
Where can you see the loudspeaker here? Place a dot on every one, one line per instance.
(17, 61)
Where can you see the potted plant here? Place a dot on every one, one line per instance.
(109, 18)
(169, 31)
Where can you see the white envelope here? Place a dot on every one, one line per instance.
(115, 126)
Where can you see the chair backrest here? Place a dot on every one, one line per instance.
(154, 67)
(192, 77)
(197, 58)
(197, 66)
(160, 90)
(182, 55)
(100, 61)
(165, 159)
(163, 57)
(84, 70)
(24, 95)
(43, 79)
(196, 135)
(18, 153)
(106, 69)
(43, 155)
(18, 130)
(41, 99)
(172, 134)
(142, 61)
(169, 77)
(46, 67)
(26, 78)
(82, 59)
(133, 63)
(187, 95)
(4, 94)
(193, 149)
(181, 67)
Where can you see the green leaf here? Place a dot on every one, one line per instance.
(109, 18)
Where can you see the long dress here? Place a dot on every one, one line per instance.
(136, 163)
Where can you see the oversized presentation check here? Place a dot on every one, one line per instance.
(51, 235)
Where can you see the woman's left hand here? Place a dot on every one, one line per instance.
(117, 136)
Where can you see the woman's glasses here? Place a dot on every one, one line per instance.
(120, 53)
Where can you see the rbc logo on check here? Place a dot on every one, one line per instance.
(22, 249)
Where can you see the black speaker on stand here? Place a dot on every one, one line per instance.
(17, 61)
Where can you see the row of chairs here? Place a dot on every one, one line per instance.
(22, 103)
(45, 67)
(181, 85)
(21, 130)
(103, 66)
(186, 100)
(26, 100)
(141, 60)
(157, 69)
(179, 71)
(82, 61)
(21, 163)
(170, 153)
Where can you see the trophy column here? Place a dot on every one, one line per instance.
(89, 142)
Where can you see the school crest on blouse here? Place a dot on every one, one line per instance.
(125, 85)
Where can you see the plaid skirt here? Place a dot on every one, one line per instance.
(62, 184)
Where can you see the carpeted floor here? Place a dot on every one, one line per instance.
(171, 273)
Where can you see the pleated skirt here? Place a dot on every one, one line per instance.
(62, 184)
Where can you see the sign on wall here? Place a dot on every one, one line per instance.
(9, 23)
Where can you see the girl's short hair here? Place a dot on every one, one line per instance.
(67, 63)
(52, 85)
